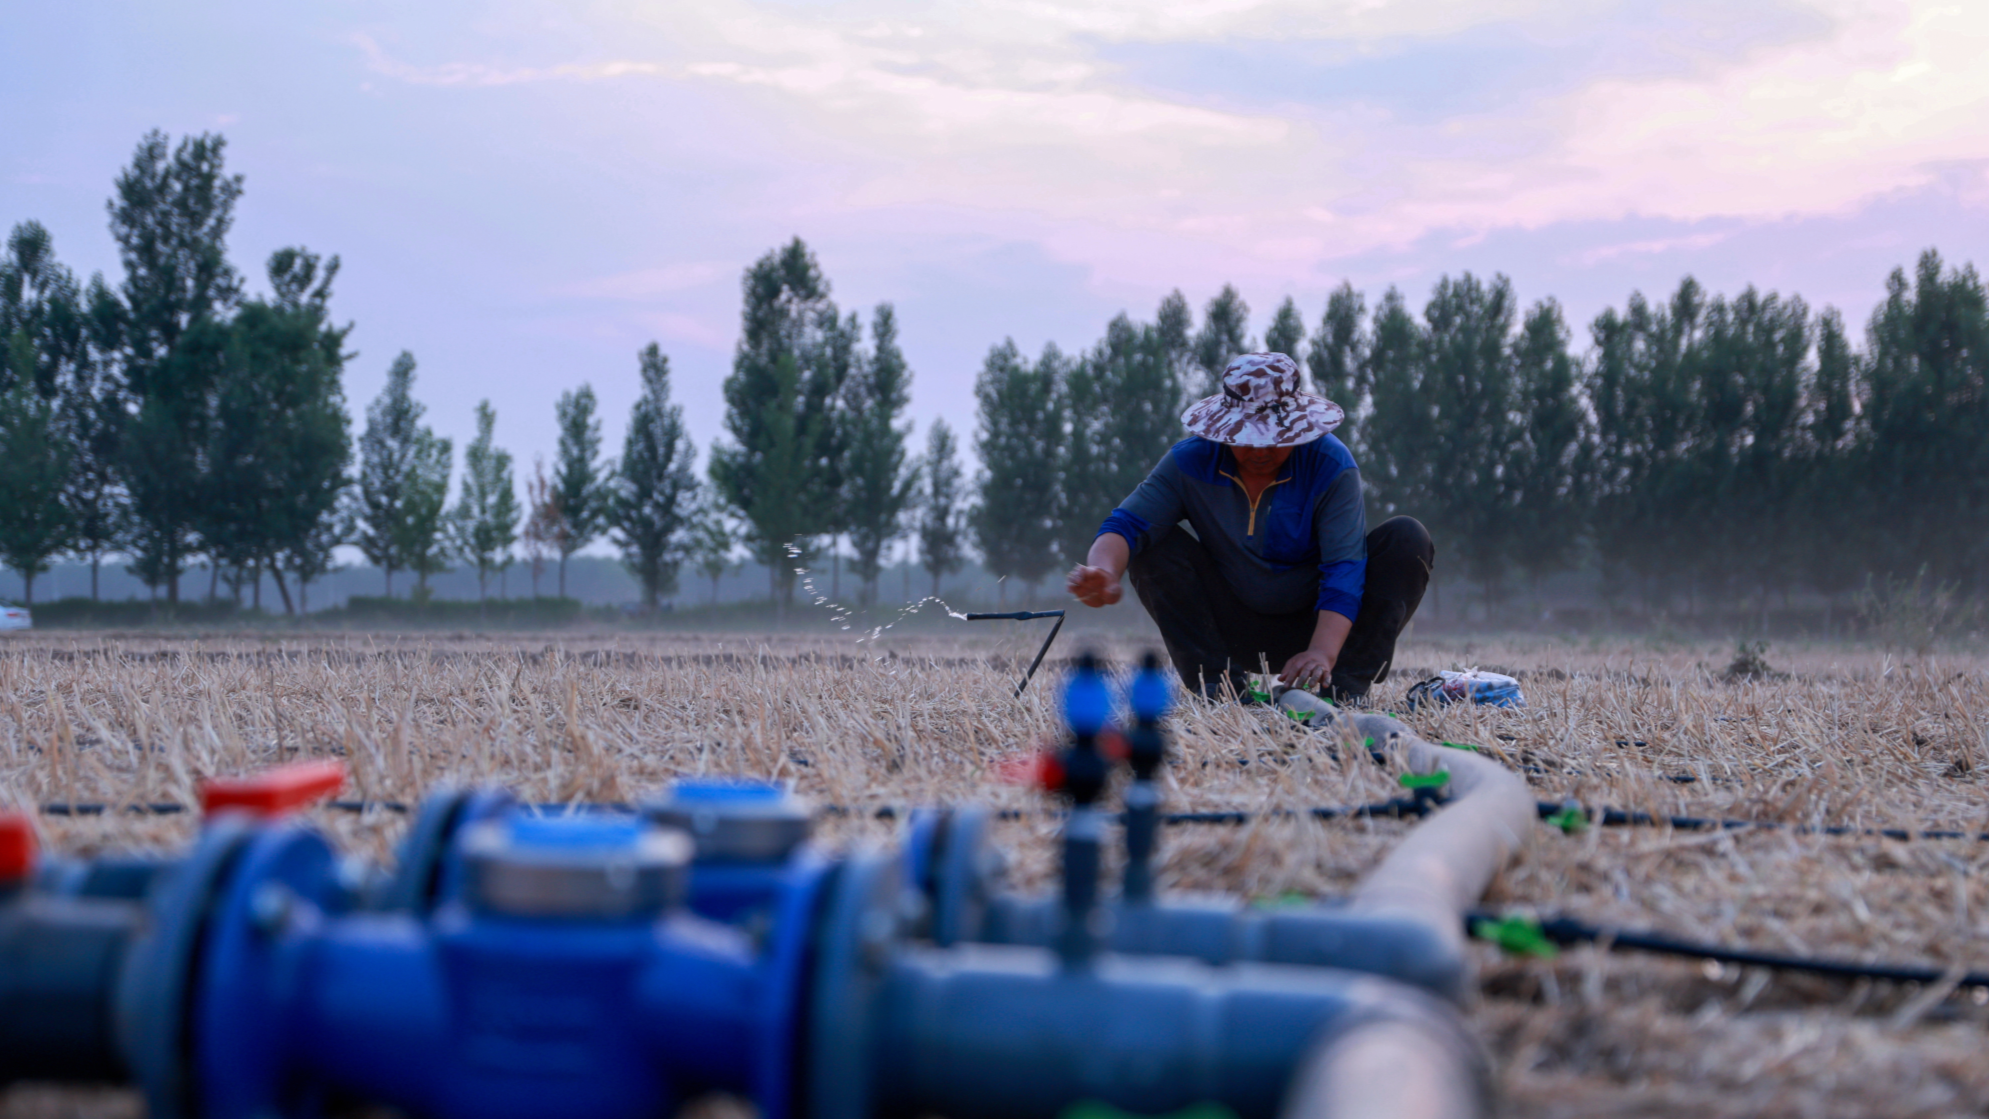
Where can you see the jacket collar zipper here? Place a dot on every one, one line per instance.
(1252, 530)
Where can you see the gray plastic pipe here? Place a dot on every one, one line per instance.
(1423, 1067)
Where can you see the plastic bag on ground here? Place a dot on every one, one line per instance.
(1494, 689)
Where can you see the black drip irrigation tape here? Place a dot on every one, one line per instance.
(1560, 812)
(1567, 931)
(1568, 815)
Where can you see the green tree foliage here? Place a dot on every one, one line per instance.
(34, 462)
(782, 468)
(1122, 406)
(1020, 443)
(1469, 384)
(420, 535)
(1550, 467)
(483, 527)
(1337, 355)
(170, 216)
(877, 486)
(44, 325)
(94, 418)
(1397, 470)
(1225, 333)
(277, 439)
(1927, 458)
(581, 490)
(655, 486)
(941, 512)
(1286, 334)
(393, 452)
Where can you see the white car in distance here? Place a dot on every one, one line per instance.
(15, 617)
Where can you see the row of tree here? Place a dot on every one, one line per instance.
(1706, 448)
(173, 418)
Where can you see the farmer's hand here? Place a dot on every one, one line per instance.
(1307, 669)
(1093, 586)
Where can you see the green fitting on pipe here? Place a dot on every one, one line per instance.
(1517, 935)
(1570, 820)
(1462, 746)
(1435, 780)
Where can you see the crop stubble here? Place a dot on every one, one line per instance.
(1848, 736)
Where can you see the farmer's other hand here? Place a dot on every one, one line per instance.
(1093, 586)
(1308, 669)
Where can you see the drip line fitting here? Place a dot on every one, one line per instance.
(1544, 937)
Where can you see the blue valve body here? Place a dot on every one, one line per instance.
(1150, 694)
(465, 1013)
(1087, 701)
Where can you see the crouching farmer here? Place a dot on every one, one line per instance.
(1248, 544)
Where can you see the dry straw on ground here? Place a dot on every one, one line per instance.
(1842, 736)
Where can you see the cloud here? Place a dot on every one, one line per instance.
(482, 74)
(1269, 138)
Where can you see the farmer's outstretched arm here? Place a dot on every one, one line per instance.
(1095, 582)
(1148, 513)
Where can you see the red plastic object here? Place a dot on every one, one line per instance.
(17, 847)
(1041, 768)
(1113, 745)
(273, 792)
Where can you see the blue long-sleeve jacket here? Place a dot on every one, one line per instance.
(1304, 544)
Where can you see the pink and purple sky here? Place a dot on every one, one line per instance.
(526, 193)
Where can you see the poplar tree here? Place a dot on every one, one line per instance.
(780, 470)
(1927, 456)
(44, 335)
(1224, 334)
(1397, 471)
(655, 486)
(420, 534)
(1020, 442)
(34, 463)
(877, 485)
(170, 216)
(1470, 389)
(94, 417)
(1337, 354)
(277, 441)
(390, 462)
(1548, 472)
(941, 520)
(1174, 327)
(1286, 334)
(484, 525)
(581, 490)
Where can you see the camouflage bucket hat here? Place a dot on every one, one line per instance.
(1262, 405)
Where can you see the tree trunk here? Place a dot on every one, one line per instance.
(562, 575)
(714, 592)
(95, 561)
(283, 589)
(835, 571)
(214, 583)
(255, 597)
(28, 587)
(389, 569)
(935, 583)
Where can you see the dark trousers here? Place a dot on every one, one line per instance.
(1212, 636)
